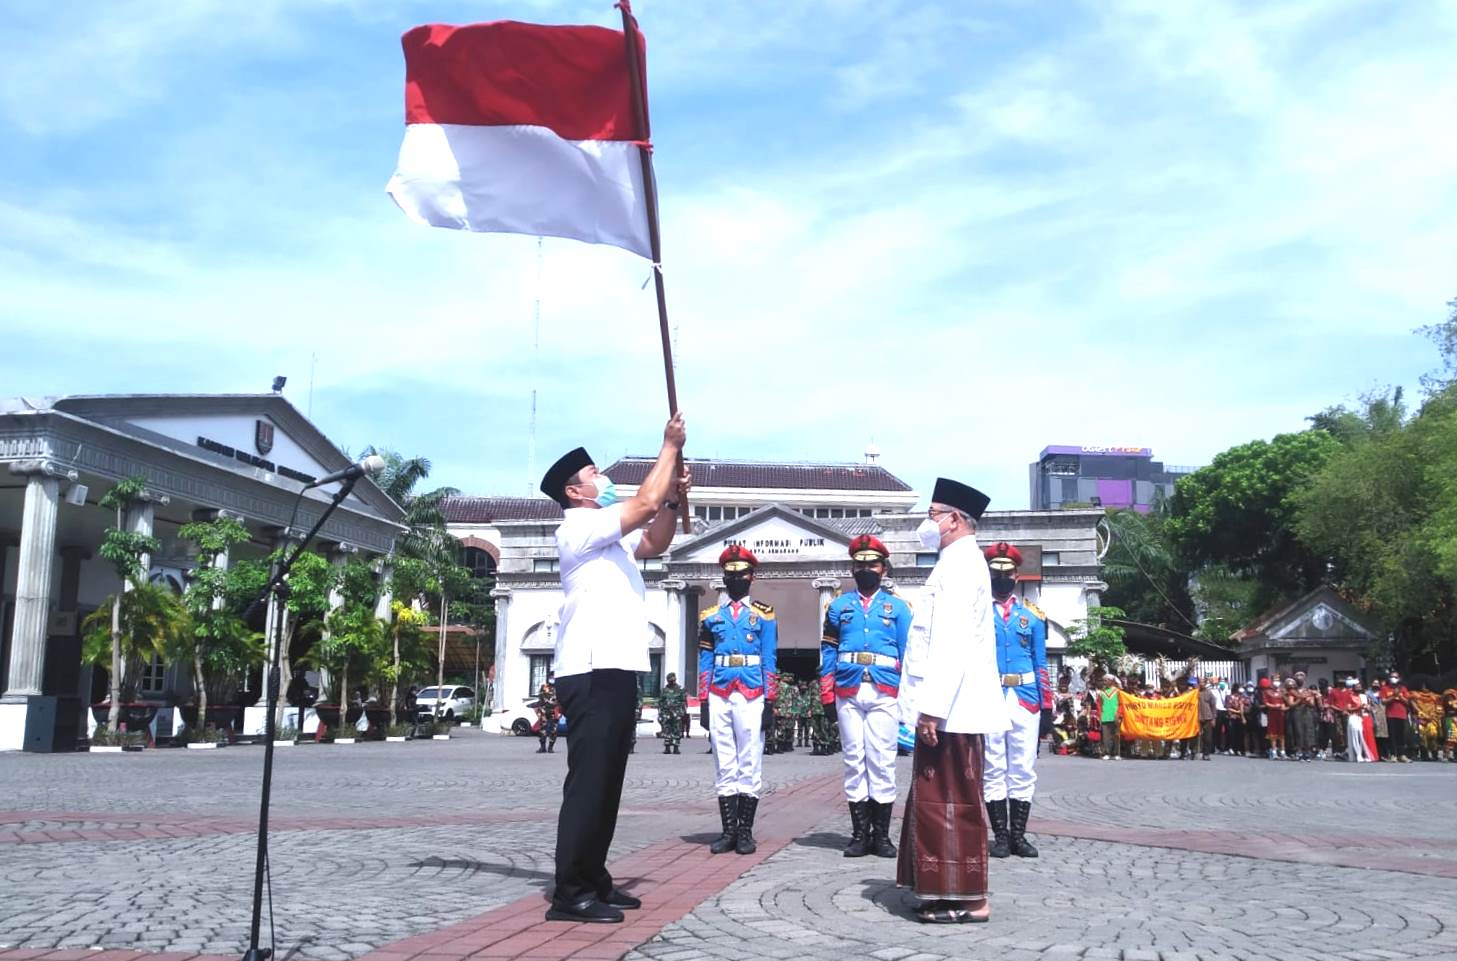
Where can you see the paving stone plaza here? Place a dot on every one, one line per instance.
(443, 850)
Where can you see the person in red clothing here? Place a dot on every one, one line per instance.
(1274, 701)
(1396, 701)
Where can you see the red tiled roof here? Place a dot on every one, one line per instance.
(756, 474)
(488, 510)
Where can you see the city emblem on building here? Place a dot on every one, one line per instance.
(263, 436)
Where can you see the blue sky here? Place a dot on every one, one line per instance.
(962, 230)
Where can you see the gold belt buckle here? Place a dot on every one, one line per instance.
(1011, 680)
(736, 660)
(864, 657)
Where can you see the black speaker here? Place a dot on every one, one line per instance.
(51, 723)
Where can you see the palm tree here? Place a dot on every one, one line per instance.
(423, 515)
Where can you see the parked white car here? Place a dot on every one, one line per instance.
(453, 705)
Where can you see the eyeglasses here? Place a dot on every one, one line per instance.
(939, 511)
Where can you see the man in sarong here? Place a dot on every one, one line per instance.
(955, 691)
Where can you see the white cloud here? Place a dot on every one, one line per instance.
(1180, 226)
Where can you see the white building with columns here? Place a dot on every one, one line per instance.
(247, 455)
(798, 519)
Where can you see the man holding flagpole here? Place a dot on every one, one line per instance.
(601, 646)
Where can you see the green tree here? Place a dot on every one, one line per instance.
(125, 550)
(424, 517)
(126, 632)
(1147, 576)
(301, 615)
(1239, 513)
(220, 646)
(1097, 640)
(1381, 513)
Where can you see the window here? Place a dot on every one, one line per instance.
(478, 562)
(652, 684)
(543, 565)
(650, 563)
(822, 512)
(154, 676)
(715, 513)
(540, 667)
(1049, 559)
(927, 560)
(700, 512)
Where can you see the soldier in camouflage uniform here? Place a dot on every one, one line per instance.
(672, 709)
(548, 710)
(784, 713)
(807, 694)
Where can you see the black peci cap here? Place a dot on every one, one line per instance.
(554, 481)
(960, 496)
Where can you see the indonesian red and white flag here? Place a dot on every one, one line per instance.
(522, 128)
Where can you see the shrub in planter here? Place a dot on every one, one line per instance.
(399, 731)
(126, 740)
(208, 735)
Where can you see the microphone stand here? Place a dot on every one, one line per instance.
(277, 587)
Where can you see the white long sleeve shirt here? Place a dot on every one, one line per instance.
(951, 658)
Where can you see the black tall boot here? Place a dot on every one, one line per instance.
(542, 748)
(1001, 844)
(880, 844)
(667, 749)
(744, 844)
(1020, 845)
(859, 830)
(728, 812)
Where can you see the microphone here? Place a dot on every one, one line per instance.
(371, 465)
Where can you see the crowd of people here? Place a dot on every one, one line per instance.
(1278, 718)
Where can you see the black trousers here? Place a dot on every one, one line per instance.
(1396, 735)
(599, 708)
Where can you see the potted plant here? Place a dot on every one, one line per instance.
(220, 647)
(129, 629)
(124, 633)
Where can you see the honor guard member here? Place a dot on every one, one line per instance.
(864, 645)
(1009, 777)
(736, 676)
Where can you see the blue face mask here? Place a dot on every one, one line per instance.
(606, 491)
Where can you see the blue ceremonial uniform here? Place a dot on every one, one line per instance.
(1022, 649)
(725, 633)
(853, 628)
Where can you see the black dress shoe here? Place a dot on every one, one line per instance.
(620, 899)
(590, 911)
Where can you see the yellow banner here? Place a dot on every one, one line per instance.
(1166, 720)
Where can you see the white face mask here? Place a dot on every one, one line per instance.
(929, 534)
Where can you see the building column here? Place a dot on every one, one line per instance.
(502, 597)
(34, 571)
(718, 588)
(674, 629)
(827, 587)
(32, 596)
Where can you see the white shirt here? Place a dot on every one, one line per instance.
(1220, 696)
(604, 621)
(951, 658)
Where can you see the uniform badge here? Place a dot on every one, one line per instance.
(749, 637)
(1022, 621)
(886, 621)
(888, 609)
(754, 620)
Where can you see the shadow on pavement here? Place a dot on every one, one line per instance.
(828, 840)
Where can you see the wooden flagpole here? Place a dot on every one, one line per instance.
(650, 197)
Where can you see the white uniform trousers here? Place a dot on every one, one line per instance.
(735, 724)
(869, 723)
(1007, 771)
(1356, 739)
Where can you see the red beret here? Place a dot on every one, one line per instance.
(865, 544)
(737, 558)
(1003, 549)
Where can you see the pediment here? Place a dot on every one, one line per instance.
(773, 533)
(257, 434)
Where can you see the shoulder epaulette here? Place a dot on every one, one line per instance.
(765, 609)
(1035, 610)
(705, 615)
